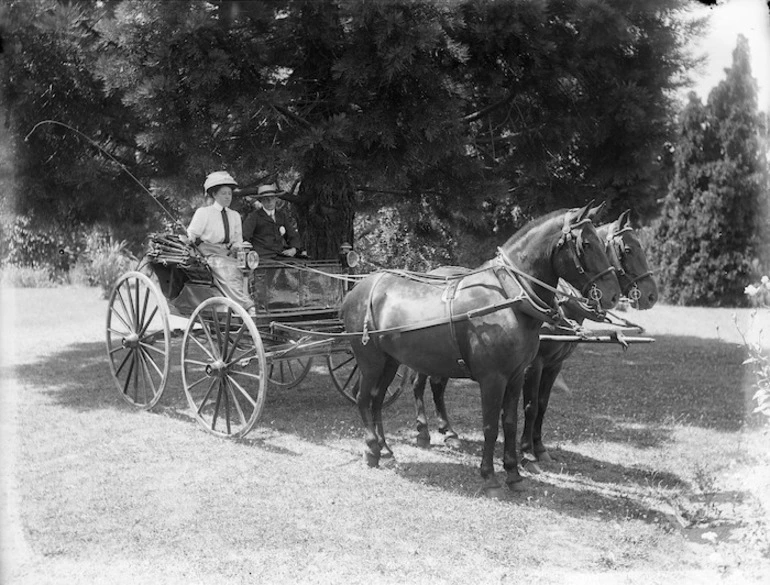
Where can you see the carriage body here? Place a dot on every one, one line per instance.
(229, 359)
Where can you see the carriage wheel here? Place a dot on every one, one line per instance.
(290, 372)
(343, 370)
(223, 368)
(138, 339)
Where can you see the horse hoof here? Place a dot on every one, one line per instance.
(453, 442)
(544, 457)
(423, 442)
(387, 454)
(496, 493)
(371, 459)
(531, 466)
(517, 486)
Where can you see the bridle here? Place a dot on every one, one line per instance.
(567, 238)
(617, 252)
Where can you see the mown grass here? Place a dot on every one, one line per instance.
(654, 449)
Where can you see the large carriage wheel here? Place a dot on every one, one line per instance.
(343, 370)
(138, 339)
(223, 368)
(289, 372)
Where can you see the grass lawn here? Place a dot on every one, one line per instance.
(661, 472)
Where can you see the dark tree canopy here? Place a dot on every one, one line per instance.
(472, 114)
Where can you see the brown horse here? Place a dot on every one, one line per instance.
(628, 258)
(482, 325)
(638, 286)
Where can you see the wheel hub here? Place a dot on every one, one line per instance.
(217, 368)
(131, 341)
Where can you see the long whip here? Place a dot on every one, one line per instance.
(113, 159)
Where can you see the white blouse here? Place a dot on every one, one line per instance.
(207, 225)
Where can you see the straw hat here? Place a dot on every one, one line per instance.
(217, 179)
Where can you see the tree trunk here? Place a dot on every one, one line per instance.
(325, 209)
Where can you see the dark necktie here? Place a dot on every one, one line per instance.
(227, 225)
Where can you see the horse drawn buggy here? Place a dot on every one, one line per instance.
(376, 332)
(228, 359)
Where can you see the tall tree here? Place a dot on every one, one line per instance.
(709, 233)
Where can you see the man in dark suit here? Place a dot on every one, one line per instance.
(270, 230)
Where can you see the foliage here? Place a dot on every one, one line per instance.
(516, 103)
(759, 295)
(104, 262)
(709, 234)
(43, 245)
(12, 275)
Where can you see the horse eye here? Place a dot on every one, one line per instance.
(627, 250)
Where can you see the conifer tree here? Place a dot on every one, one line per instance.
(710, 232)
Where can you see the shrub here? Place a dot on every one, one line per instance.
(104, 263)
(15, 276)
(759, 294)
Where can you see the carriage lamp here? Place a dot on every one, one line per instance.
(252, 260)
(348, 256)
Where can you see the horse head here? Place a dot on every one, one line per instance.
(628, 257)
(580, 258)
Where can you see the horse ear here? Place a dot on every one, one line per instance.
(582, 213)
(595, 212)
(625, 219)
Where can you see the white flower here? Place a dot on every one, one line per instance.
(765, 280)
(282, 230)
(751, 290)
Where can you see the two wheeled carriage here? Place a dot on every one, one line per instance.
(229, 359)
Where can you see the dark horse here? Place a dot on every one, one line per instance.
(483, 325)
(628, 258)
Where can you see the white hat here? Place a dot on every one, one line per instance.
(270, 190)
(217, 179)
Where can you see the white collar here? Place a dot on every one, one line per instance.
(217, 206)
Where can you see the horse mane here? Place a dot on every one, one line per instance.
(534, 224)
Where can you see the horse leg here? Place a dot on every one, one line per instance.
(438, 388)
(510, 415)
(546, 384)
(532, 379)
(370, 374)
(423, 434)
(388, 373)
(492, 391)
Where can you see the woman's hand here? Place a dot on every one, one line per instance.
(291, 252)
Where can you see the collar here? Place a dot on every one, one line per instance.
(217, 206)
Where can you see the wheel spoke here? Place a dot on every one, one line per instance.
(241, 389)
(123, 363)
(119, 316)
(245, 355)
(206, 396)
(226, 399)
(129, 315)
(136, 306)
(237, 340)
(203, 347)
(208, 337)
(142, 323)
(148, 321)
(149, 347)
(237, 404)
(149, 359)
(194, 384)
(216, 407)
(246, 374)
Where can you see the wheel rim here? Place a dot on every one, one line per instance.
(343, 370)
(138, 340)
(289, 372)
(223, 368)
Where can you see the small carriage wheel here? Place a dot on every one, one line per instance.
(223, 368)
(343, 370)
(289, 372)
(138, 339)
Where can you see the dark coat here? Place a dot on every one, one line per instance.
(265, 234)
